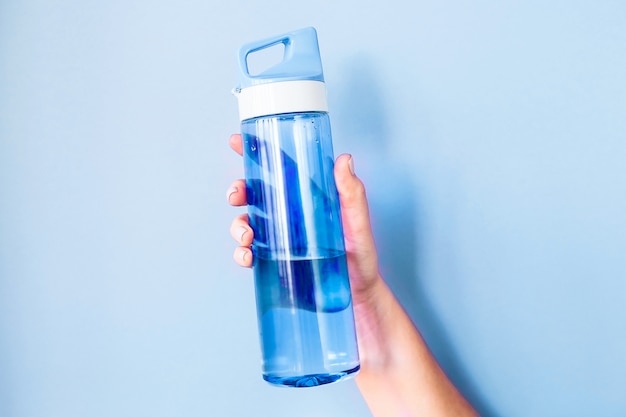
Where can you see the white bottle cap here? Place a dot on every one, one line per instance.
(281, 97)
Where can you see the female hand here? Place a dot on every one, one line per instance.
(359, 241)
(399, 376)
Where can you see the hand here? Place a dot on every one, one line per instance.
(359, 241)
(360, 251)
(399, 376)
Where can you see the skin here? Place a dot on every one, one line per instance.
(399, 376)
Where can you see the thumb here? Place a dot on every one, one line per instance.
(359, 240)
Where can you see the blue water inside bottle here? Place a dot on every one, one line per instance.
(303, 294)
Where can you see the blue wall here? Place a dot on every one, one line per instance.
(491, 136)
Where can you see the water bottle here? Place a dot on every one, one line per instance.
(303, 298)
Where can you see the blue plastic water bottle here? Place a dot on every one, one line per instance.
(304, 304)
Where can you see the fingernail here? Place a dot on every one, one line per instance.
(351, 165)
(241, 231)
(230, 192)
(244, 255)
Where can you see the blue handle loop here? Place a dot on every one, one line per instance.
(301, 60)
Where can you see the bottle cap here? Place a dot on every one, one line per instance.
(295, 84)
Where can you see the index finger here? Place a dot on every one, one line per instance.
(236, 143)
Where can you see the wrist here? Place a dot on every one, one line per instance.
(373, 318)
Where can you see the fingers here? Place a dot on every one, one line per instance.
(236, 193)
(243, 257)
(236, 143)
(241, 231)
(360, 246)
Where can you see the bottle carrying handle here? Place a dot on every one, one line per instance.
(301, 60)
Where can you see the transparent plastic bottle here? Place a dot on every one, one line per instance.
(303, 296)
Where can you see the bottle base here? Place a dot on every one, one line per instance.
(313, 380)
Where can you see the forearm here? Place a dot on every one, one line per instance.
(399, 376)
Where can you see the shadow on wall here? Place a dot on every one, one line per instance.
(395, 211)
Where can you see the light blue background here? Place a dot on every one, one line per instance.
(492, 139)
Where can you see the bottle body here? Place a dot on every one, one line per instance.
(304, 304)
